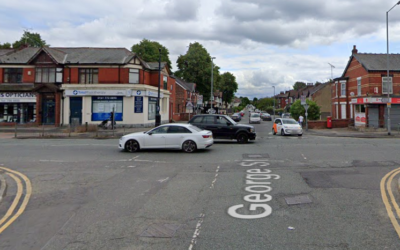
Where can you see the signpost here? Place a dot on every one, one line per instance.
(306, 108)
(190, 106)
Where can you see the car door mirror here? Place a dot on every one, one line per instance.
(150, 133)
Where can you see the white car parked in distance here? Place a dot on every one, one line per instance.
(255, 118)
(186, 137)
(287, 126)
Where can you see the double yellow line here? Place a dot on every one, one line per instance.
(391, 203)
(11, 214)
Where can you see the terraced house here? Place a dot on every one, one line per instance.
(59, 86)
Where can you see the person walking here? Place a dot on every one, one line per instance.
(301, 119)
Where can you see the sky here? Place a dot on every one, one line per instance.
(264, 43)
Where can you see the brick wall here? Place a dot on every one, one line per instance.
(336, 123)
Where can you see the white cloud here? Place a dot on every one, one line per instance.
(263, 43)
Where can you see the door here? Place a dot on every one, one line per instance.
(373, 117)
(394, 117)
(156, 138)
(224, 128)
(49, 115)
(75, 108)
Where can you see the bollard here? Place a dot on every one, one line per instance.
(86, 126)
(42, 130)
(69, 135)
(97, 132)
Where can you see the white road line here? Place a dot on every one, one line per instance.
(163, 180)
(51, 161)
(196, 232)
(304, 157)
(215, 179)
(144, 160)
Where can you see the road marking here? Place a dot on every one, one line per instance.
(28, 194)
(304, 157)
(215, 179)
(16, 199)
(386, 201)
(163, 180)
(196, 232)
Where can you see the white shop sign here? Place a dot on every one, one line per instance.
(15, 97)
(77, 92)
(154, 94)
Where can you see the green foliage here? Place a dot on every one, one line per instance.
(228, 86)
(5, 46)
(195, 66)
(265, 103)
(313, 110)
(31, 39)
(149, 51)
(299, 85)
(244, 101)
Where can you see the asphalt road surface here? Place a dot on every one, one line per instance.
(277, 192)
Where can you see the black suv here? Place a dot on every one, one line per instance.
(223, 127)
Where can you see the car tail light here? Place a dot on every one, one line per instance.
(206, 136)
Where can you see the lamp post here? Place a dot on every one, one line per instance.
(158, 116)
(212, 94)
(387, 64)
(274, 102)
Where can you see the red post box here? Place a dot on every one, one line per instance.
(329, 122)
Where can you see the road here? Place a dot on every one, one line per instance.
(308, 192)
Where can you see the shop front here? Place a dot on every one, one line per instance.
(373, 111)
(132, 107)
(17, 107)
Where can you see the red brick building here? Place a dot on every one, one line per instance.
(361, 93)
(57, 86)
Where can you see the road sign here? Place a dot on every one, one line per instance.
(303, 99)
(389, 105)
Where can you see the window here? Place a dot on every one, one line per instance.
(59, 75)
(165, 80)
(45, 75)
(133, 76)
(359, 86)
(88, 76)
(160, 130)
(178, 130)
(13, 75)
(387, 84)
(198, 119)
(343, 89)
(336, 86)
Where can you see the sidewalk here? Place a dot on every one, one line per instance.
(63, 132)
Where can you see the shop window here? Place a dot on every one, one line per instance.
(13, 75)
(88, 76)
(133, 76)
(165, 80)
(45, 75)
(102, 106)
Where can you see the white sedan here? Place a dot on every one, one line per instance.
(255, 118)
(169, 136)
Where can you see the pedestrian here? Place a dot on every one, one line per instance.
(301, 119)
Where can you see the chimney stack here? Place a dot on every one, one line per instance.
(354, 51)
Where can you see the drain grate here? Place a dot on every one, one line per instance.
(297, 200)
(163, 230)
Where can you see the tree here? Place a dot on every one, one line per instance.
(149, 51)
(228, 86)
(299, 85)
(313, 110)
(265, 104)
(30, 39)
(195, 66)
(5, 46)
(244, 101)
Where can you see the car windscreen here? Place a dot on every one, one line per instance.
(255, 115)
(230, 119)
(289, 121)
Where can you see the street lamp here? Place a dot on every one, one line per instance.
(387, 78)
(274, 102)
(158, 116)
(212, 94)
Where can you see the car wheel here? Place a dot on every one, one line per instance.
(283, 132)
(189, 146)
(132, 146)
(242, 138)
(273, 131)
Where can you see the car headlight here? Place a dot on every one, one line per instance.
(252, 130)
